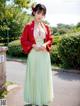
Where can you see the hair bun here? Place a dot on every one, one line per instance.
(33, 6)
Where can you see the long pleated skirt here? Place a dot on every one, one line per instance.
(38, 86)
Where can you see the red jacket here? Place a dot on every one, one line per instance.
(27, 38)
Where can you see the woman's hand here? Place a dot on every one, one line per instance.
(39, 48)
(36, 47)
(43, 47)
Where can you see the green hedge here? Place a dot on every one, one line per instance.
(55, 59)
(69, 51)
(57, 39)
(14, 49)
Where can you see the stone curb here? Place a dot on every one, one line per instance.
(54, 68)
(66, 70)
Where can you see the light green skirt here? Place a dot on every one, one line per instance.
(38, 86)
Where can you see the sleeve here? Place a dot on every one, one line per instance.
(25, 43)
(49, 38)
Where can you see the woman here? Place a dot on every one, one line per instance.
(36, 41)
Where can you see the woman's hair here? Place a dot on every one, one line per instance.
(38, 8)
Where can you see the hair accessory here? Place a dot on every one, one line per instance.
(33, 6)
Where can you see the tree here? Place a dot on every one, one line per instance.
(23, 3)
(78, 25)
(12, 18)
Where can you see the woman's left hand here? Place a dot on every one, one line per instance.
(43, 47)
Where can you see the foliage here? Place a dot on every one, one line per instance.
(55, 59)
(69, 51)
(64, 29)
(56, 40)
(12, 19)
(23, 3)
(3, 91)
(14, 49)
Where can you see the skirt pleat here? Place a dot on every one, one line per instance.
(38, 86)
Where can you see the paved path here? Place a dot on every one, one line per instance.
(66, 86)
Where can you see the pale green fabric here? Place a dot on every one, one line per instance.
(38, 86)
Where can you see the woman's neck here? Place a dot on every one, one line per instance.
(37, 22)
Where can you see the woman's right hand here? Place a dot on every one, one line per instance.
(39, 48)
(36, 47)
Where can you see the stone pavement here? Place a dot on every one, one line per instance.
(14, 97)
(66, 86)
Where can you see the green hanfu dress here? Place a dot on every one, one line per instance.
(38, 86)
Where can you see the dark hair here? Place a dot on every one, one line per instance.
(38, 8)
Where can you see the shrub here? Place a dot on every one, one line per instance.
(55, 59)
(69, 51)
(54, 51)
(56, 39)
(14, 49)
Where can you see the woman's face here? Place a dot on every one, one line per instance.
(39, 16)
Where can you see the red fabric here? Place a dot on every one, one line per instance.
(27, 38)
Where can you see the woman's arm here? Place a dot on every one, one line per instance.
(48, 40)
(25, 43)
(45, 44)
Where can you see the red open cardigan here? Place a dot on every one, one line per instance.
(27, 38)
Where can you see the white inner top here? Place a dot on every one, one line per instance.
(39, 31)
